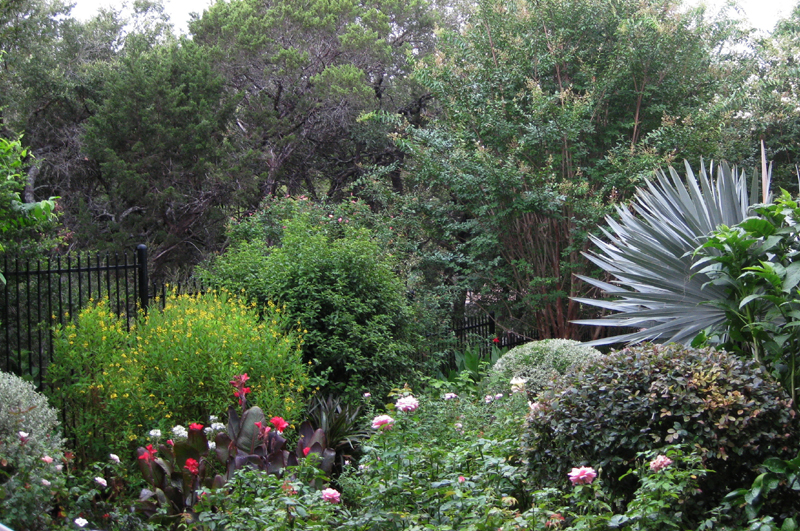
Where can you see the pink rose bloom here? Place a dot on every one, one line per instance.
(582, 476)
(461, 479)
(407, 404)
(331, 495)
(382, 422)
(662, 461)
(450, 396)
(47, 459)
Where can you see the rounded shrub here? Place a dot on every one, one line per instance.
(647, 397)
(538, 362)
(173, 368)
(30, 455)
(342, 288)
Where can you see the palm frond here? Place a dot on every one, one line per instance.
(648, 250)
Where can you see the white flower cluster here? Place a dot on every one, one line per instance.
(518, 384)
(214, 428)
(155, 434)
(180, 432)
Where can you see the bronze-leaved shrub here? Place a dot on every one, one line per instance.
(647, 397)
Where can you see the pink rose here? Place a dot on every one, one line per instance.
(407, 404)
(331, 495)
(382, 422)
(582, 476)
(47, 459)
(662, 461)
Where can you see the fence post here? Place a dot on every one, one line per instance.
(492, 325)
(141, 257)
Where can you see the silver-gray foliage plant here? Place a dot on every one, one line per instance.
(648, 250)
(23, 409)
(538, 362)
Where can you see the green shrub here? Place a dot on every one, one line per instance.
(174, 367)
(30, 455)
(342, 289)
(538, 362)
(644, 398)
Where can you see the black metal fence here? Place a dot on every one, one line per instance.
(41, 294)
(479, 332)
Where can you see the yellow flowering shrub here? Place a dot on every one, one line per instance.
(173, 367)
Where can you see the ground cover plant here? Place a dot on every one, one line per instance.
(174, 367)
(442, 458)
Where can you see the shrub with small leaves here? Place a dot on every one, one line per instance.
(643, 398)
(22, 408)
(30, 455)
(538, 362)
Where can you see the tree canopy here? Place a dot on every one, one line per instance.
(492, 136)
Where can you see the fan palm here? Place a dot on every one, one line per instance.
(649, 252)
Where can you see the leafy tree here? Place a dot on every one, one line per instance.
(306, 71)
(772, 110)
(536, 100)
(158, 134)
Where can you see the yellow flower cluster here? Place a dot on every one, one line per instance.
(178, 363)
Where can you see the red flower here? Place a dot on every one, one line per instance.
(195, 426)
(149, 453)
(238, 381)
(279, 424)
(192, 466)
(496, 340)
(263, 431)
(170, 442)
(305, 451)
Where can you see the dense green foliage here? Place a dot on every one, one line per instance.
(337, 285)
(17, 215)
(157, 105)
(535, 136)
(643, 398)
(538, 362)
(172, 368)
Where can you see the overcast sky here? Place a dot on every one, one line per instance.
(762, 14)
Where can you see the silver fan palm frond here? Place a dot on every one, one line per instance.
(648, 251)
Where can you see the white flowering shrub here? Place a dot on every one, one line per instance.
(538, 362)
(31, 456)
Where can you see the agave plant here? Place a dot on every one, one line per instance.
(649, 253)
